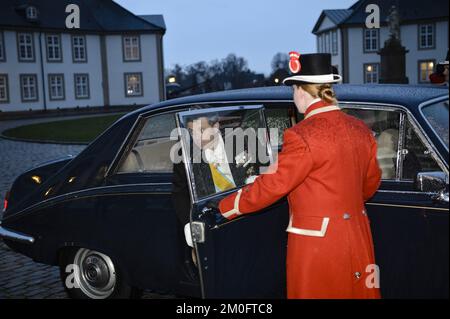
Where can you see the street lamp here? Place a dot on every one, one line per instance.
(172, 79)
(277, 80)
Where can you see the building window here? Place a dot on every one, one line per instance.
(54, 53)
(426, 36)
(31, 13)
(131, 48)
(327, 43)
(25, 44)
(426, 68)
(334, 42)
(133, 84)
(81, 86)
(324, 43)
(4, 90)
(2, 48)
(79, 52)
(56, 86)
(371, 73)
(28, 85)
(371, 40)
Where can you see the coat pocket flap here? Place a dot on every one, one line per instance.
(308, 226)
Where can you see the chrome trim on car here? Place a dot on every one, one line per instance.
(401, 146)
(410, 206)
(15, 236)
(76, 196)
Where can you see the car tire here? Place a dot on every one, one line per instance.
(89, 274)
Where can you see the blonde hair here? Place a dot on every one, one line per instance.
(322, 91)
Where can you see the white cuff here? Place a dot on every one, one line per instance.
(235, 210)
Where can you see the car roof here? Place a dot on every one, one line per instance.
(406, 95)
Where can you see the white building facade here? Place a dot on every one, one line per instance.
(354, 48)
(45, 67)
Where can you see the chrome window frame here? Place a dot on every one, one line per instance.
(343, 104)
(129, 140)
(407, 115)
(192, 187)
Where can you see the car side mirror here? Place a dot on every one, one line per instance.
(433, 182)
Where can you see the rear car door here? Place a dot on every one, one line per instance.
(409, 226)
(243, 258)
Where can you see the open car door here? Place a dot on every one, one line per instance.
(246, 257)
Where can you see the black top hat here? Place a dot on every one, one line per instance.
(311, 69)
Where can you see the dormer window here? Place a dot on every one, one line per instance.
(32, 13)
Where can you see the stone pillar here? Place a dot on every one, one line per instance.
(393, 62)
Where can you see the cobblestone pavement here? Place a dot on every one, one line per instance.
(20, 277)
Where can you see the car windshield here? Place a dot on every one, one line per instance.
(437, 116)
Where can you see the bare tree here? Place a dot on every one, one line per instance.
(280, 62)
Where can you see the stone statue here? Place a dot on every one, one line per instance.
(394, 23)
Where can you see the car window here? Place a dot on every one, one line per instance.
(385, 128)
(437, 116)
(226, 148)
(417, 157)
(151, 150)
(279, 118)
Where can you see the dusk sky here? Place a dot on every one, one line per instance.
(204, 30)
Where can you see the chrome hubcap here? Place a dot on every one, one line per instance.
(96, 275)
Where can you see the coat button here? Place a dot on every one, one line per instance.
(347, 216)
(357, 275)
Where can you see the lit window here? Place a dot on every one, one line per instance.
(28, 85)
(133, 84)
(54, 48)
(56, 86)
(25, 46)
(4, 98)
(131, 48)
(81, 86)
(371, 37)
(426, 68)
(371, 73)
(426, 36)
(79, 49)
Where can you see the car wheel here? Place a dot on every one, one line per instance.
(89, 274)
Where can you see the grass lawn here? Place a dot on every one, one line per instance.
(82, 130)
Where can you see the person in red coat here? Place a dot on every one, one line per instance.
(440, 77)
(327, 169)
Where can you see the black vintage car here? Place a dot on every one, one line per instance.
(107, 219)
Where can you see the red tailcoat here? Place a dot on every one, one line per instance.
(327, 169)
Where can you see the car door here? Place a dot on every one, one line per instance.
(409, 226)
(147, 236)
(243, 258)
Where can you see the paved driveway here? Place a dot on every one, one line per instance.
(20, 277)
